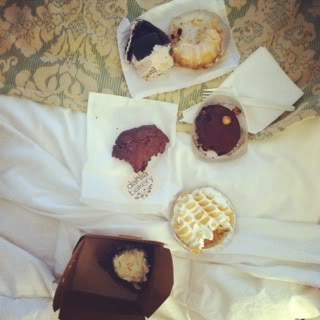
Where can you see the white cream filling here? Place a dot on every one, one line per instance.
(157, 63)
(131, 265)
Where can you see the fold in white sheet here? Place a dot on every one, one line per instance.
(261, 275)
(26, 285)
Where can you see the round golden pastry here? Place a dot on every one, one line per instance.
(202, 219)
(197, 39)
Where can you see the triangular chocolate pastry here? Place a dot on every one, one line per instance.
(148, 50)
(144, 36)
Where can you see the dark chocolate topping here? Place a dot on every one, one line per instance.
(143, 39)
(213, 134)
(138, 145)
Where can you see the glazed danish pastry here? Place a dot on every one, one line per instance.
(197, 39)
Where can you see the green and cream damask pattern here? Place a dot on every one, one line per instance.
(57, 51)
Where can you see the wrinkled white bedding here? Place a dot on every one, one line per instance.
(265, 273)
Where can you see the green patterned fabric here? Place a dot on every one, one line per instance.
(57, 51)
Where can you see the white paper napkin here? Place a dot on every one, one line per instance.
(258, 77)
(176, 78)
(110, 183)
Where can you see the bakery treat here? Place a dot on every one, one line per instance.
(148, 50)
(138, 145)
(132, 266)
(217, 129)
(197, 39)
(220, 129)
(202, 219)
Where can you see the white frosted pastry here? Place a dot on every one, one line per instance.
(202, 218)
(131, 266)
(197, 39)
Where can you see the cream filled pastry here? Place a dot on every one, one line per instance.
(132, 266)
(202, 219)
(148, 50)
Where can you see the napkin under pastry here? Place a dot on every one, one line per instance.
(110, 183)
(260, 78)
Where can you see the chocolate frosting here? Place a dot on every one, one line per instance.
(213, 134)
(138, 145)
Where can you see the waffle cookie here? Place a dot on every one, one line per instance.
(202, 219)
(220, 129)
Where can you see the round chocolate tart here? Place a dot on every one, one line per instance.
(220, 129)
(217, 129)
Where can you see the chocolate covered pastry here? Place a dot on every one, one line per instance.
(217, 129)
(138, 145)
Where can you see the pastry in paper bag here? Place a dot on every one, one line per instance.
(89, 290)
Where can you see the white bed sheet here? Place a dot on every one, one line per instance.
(265, 273)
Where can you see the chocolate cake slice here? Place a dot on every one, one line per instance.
(217, 129)
(138, 145)
(148, 50)
(144, 37)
